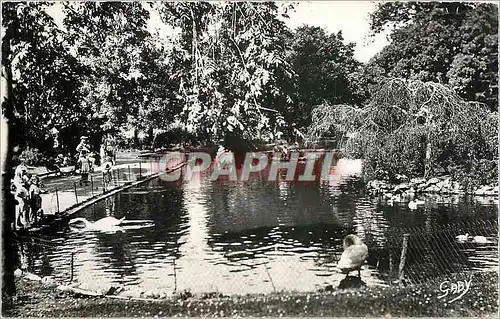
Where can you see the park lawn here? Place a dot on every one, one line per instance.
(34, 300)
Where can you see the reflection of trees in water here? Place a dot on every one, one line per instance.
(322, 241)
(33, 255)
(259, 203)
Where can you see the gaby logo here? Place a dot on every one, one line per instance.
(313, 165)
(455, 290)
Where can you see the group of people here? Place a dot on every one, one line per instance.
(26, 189)
(86, 158)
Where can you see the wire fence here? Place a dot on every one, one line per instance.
(63, 194)
(417, 255)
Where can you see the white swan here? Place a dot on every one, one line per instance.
(480, 240)
(103, 224)
(354, 255)
(462, 238)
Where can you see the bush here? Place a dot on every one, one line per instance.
(32, 156)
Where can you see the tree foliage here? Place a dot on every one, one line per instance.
(43, 80)
(418, 129)
(325, 67)
(443, 42)
(228, 59)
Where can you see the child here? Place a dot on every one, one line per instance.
(84, 167)
(91, 162)
(35, 200)
(106, 171)
(21, 196)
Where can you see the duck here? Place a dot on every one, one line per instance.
(354, 255)
(414, 203)
(103, 224)
(480, 239)
(462, 238)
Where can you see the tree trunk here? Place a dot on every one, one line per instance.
(151, 138)
(8, 251)
(136, 138)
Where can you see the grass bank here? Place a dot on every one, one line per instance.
(34, 300)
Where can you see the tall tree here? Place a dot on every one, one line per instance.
(324, 67)
(227, 58)
(444, 42)
(43, 79)
(109, 39)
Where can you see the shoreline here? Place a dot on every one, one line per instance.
(442, 185)
(37, 298)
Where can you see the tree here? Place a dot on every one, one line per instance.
(110, 39)
(443, 42)
(43, 79)
(227, 58)
(325, 67)
(417, 129)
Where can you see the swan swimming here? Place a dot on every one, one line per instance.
(354, 255)
(109, 224)
(103, 224)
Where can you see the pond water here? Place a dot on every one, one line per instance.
(253, 237)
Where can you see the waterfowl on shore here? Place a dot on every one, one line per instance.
(462, 238)
(103, 224)
(354, 255)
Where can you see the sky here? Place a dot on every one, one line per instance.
(349, 16)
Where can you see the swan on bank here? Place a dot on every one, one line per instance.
(354, 255)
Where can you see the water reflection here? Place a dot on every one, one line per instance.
(259, 236)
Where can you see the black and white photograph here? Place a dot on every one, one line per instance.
(249, 159)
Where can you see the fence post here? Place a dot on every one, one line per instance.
(151, 167)
(391, 266)
(140, 169)
(403, 258)
(76, 194)
(72, 263)
(92, 185)
(57, 200)
(129, 172)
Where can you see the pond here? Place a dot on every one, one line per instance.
(259, 236)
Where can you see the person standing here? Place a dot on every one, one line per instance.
(84, 145)
(36, 211)
(110, 148)
(84, 164)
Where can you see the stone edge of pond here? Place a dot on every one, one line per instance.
(416, 300)
(436, 185)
